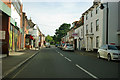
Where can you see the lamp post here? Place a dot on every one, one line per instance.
(107, 13)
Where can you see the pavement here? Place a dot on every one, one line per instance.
(16, 59)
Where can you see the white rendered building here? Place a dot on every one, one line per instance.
(96, 31)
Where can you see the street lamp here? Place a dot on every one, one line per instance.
(107, 13)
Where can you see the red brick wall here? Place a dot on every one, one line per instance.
(5, 27)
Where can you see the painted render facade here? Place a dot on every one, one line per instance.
(95, 31)
(95, 25)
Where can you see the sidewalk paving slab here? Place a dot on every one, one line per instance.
(15, 60)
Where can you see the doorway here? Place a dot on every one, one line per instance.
(75, 42)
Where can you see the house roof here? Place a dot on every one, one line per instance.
(91, 8)
(31, 23)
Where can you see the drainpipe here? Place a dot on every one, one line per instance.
(107, 18)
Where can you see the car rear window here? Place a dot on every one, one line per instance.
(69, 45)
(112, 47)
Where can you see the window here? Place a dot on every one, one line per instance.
(86, 29)
(97, 41)
(112, 47)
(97, 24)
(91, 13)
(97, 8)
(91, 27)
(86, 16)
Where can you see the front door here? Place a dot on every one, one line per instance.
(75, 44)
(79, 45)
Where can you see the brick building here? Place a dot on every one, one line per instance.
(5, 13)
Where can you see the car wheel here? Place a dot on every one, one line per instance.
(109, 57)
(98, 55)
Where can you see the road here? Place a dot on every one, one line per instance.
(55, 63)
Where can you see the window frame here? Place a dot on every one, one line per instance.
(91, 27)
(97, 9)
(97, 42)
(87, 16)
(87, 29)
(91, 13)
(97, 25)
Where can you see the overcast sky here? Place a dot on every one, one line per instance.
(50, 15)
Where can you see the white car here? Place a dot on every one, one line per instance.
(47, 45)
(68, 47)
(110, 52)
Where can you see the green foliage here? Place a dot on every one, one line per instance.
(61, 32)
(49, 39)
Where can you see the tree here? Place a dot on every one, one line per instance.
(49, 39)
(61, 32)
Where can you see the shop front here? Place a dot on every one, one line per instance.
(5, 14)
(29, 41)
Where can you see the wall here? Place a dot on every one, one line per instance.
(119, 16)
(6, 2)
(80, 35)
(5, 27)
(15, 16)
(113, 22)
(96, 33)
(119, 23)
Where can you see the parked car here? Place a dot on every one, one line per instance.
(56, 45)
(110, 52)
(61, 46)
(68, 47)
(47, 45)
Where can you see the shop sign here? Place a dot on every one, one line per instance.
(75, 34)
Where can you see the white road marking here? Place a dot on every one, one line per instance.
(61, 54)
(86, 71)
(68, 59)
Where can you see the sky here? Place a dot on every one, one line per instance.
(50, 15)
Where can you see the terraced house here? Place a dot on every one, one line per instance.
(14, 27)
(5, 13)
(101, 25)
